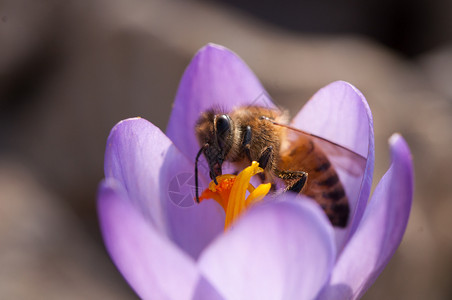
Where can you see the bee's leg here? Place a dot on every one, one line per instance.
(298, 178)
(265, 157)
(263, 160)
(246, 142)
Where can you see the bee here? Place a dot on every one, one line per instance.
(295, 157)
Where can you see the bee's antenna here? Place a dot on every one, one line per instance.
(196, 170)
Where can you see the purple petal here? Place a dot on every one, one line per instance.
(148, 165)
(340, 113)
(205, 291)
(135, 153)
(380, 231)
(215, 78)
(153, 266)
(279, 250)
(195, 227)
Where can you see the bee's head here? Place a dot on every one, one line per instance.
(215, 135)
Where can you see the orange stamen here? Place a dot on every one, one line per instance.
(231, 190)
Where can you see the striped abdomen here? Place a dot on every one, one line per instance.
(323, 183)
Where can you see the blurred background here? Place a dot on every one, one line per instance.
(70, 70)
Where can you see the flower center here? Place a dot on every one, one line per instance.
(230, 192)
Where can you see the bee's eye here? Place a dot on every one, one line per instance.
(223, 124)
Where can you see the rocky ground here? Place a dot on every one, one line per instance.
(70, 70)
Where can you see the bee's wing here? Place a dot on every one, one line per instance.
(342, 158)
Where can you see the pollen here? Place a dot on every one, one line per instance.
(231, 190)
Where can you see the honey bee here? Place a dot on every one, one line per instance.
(253, 133)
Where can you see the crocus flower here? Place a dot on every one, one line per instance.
(285, 249)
